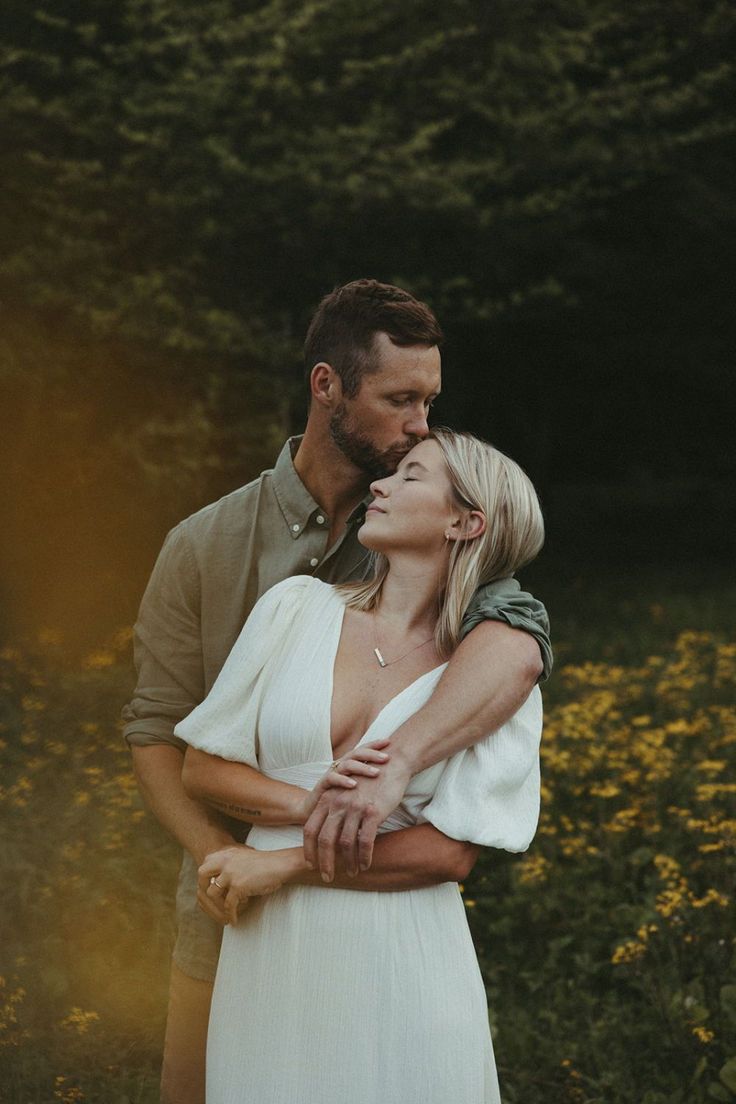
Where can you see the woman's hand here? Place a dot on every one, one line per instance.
(364, 760)
(228, 878)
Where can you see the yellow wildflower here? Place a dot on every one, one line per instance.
(669, 901)
(80, 1021)
(98, 661)
(628, 952)
(712, 897)
(533, 868)
(711, 766)
(604, 789)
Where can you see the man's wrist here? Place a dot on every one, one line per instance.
(403, 760)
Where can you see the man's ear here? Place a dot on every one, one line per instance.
(325, 385)
(469, 526)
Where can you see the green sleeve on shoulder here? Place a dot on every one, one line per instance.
(504, 600)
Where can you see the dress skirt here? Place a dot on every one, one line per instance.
(335, 996)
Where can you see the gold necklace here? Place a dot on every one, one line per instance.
(389, 663)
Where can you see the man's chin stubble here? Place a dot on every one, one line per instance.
(361, 452)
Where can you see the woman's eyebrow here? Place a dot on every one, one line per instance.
(415, 464)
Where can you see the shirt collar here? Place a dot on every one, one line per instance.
(295, 502)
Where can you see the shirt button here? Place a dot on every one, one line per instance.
(320, 520)
(313, 562)
(295, 528)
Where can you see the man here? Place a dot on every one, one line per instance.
(372, 356)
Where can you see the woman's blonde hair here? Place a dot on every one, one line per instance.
(486, 480)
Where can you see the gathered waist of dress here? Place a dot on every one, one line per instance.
(306, 775)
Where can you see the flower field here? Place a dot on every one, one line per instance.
(608, 949)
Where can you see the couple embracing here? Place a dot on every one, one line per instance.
(338, 656)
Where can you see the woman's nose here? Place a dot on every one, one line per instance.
(377, 488)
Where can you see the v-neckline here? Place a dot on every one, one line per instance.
(331, 687)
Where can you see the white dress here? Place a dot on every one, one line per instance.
(336, 996)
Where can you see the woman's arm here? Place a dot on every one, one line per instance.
(410, 858)
(240, 791)
(244, 793)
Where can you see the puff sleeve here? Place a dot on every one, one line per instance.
(489, 793)
(226, 722)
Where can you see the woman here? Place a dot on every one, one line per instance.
(324, 997)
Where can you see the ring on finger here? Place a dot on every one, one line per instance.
(214, 881)
(335, 766)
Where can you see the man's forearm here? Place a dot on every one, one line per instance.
(410, 858)
(489, 677)
(413, 858)
(158, 771)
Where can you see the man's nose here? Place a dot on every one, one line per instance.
(417, 424)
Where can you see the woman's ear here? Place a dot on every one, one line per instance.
(468, 527)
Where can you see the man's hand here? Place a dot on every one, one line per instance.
(349, 819)
(364, 761)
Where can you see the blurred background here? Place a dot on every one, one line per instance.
(181, 183)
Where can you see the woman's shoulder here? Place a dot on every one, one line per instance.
(298, 589)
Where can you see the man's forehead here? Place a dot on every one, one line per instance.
(407, 368)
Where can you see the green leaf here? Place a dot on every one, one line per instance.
(727, 1074)
(728, 1003)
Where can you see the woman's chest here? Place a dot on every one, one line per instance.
(361, 688)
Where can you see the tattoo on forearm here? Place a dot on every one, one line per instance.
(228, 807)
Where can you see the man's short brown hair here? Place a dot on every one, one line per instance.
(344, 326)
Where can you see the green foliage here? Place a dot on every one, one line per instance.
(608, 949)
(196, 176)
(182, 182)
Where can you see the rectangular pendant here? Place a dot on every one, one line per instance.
(379, 657)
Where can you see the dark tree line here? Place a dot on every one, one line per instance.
(183, 181)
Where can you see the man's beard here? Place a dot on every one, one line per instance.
(360, 450)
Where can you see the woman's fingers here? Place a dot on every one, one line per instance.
(232, 901)
(211, 868)
(211, 908)
(216, 889)
(334, 777)
(365, 761)
(368, 754)
(356, 766)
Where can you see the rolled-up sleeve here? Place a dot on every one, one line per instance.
(167, 648)
(504, 600)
